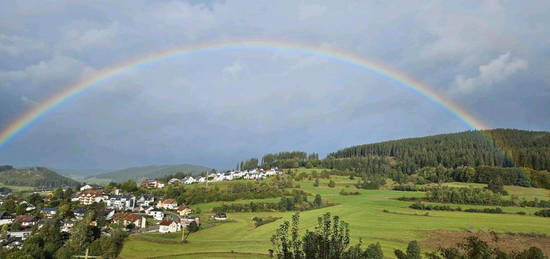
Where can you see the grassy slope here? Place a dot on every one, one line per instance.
(363, 212)
(35, 176)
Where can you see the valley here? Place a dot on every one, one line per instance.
(364, 212)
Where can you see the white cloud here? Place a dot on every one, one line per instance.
(233, 70)
(498, 70)
(57, 69)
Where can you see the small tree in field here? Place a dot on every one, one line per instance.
(316, 183)
(318, 201)
(191, 228)
(496, 185)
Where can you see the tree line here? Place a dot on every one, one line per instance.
(298, 201)
(422, 206)
(479, 196)
(292, 159)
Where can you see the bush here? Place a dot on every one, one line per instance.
(496, 210)
(421, 206)
(543, 213)
(345, 193)
(262, 221)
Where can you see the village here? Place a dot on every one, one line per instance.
(142, 213)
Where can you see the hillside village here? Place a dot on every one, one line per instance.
(255, 174)
(135, 213)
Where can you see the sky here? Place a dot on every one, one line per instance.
(217, 108)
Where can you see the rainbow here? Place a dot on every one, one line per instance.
(102, 76)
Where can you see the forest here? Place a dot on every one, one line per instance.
(498, 147)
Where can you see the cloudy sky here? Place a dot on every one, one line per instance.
(219, 107)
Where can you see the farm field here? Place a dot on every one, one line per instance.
(373, 216)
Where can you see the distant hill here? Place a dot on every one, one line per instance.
(523, 148)
(78, 173)
(137, 173)
(35, 176)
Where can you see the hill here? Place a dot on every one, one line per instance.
(153, 171)
(498, 147)
(78, 173)
(34, 176)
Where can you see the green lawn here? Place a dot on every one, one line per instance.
(363, 212)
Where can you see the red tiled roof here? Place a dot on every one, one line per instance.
(166, 222)
(25, 218)
(93, 192)
(127, 216)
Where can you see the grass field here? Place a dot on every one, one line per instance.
(364, 213)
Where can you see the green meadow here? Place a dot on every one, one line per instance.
(373, 216)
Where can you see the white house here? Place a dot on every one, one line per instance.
(5, 218)
(145, 200)
(26, 220)
(189, 180)
(67, 226)
(20, 234)
(169, 226)
(175, 181)
(185, 221)
(90, 196)
(49, 212)
(121, 202)
(86, 187)
(168, 204)
(129, 218)
(157, 214)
